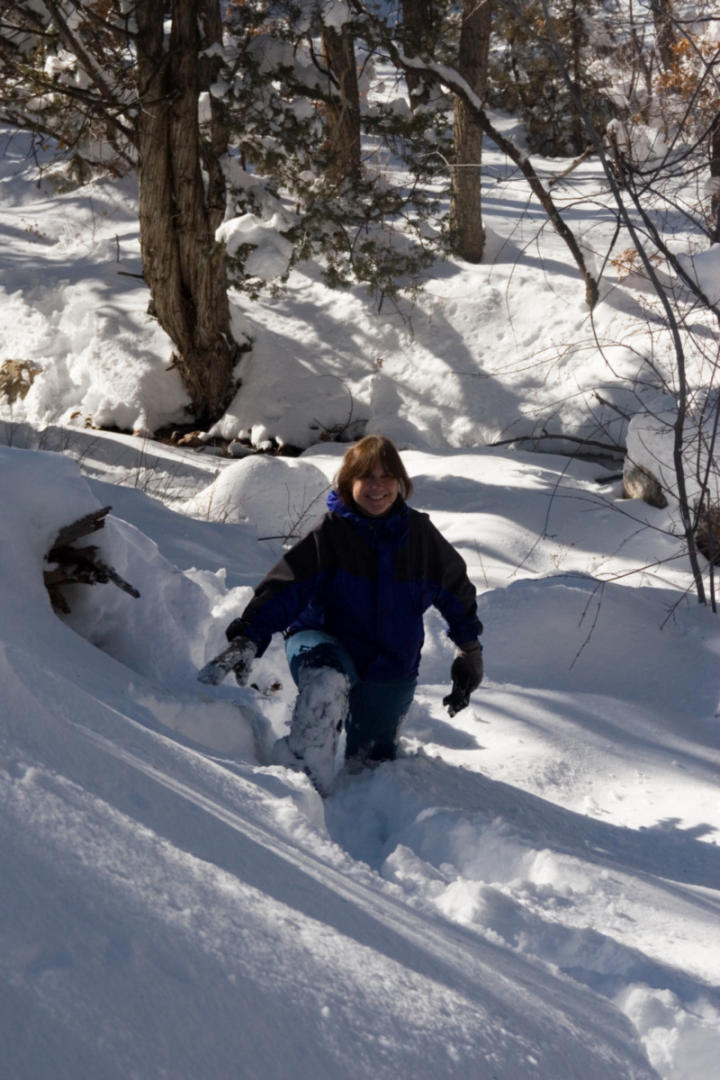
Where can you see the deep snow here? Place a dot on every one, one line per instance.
(531, 891)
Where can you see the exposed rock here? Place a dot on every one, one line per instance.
(639, 483)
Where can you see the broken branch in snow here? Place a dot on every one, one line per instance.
(79, 565)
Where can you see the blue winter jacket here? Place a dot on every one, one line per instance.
(368, 582)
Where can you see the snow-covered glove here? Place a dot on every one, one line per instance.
(466, 674)
(237, 657)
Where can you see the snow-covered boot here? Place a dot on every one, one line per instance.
(320, 711)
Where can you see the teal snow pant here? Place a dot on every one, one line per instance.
(375, 710)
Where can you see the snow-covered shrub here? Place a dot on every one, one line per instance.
(279, 498)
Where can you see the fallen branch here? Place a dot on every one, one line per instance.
(557, 177)
(611, 448)
(79, 565)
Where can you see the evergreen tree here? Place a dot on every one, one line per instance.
(346, 170)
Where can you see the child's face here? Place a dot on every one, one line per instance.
(376, 492)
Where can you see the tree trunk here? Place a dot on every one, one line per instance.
(577, 34)
(419, 24)
(465, 205)
(342, 115)
(715, 180)
(665, 37)
(183, 266)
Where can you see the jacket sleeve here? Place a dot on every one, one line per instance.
(282, 594)
(455, 596)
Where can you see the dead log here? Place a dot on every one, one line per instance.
(79, 565)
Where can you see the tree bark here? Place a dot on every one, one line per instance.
(182, 264)
(466, 205)
(342, 114)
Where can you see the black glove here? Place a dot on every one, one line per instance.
(237, 657)
(466, 674)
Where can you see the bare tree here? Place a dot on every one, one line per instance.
(638, 191)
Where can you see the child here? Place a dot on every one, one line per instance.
(349, 598)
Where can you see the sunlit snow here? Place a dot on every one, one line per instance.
(531, 891)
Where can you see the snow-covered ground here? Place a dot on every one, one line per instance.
(507, 349)
(531, 890)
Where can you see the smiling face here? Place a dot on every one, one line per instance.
(375, 492)
(372, 476)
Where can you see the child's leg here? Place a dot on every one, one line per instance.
(324, 672)
(377, 710)
(315, 648)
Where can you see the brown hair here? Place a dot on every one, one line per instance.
(361, 459)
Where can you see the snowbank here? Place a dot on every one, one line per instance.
(282, 498)
(133, 860)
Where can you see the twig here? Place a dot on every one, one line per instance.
(614, 448)
(557, 177)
